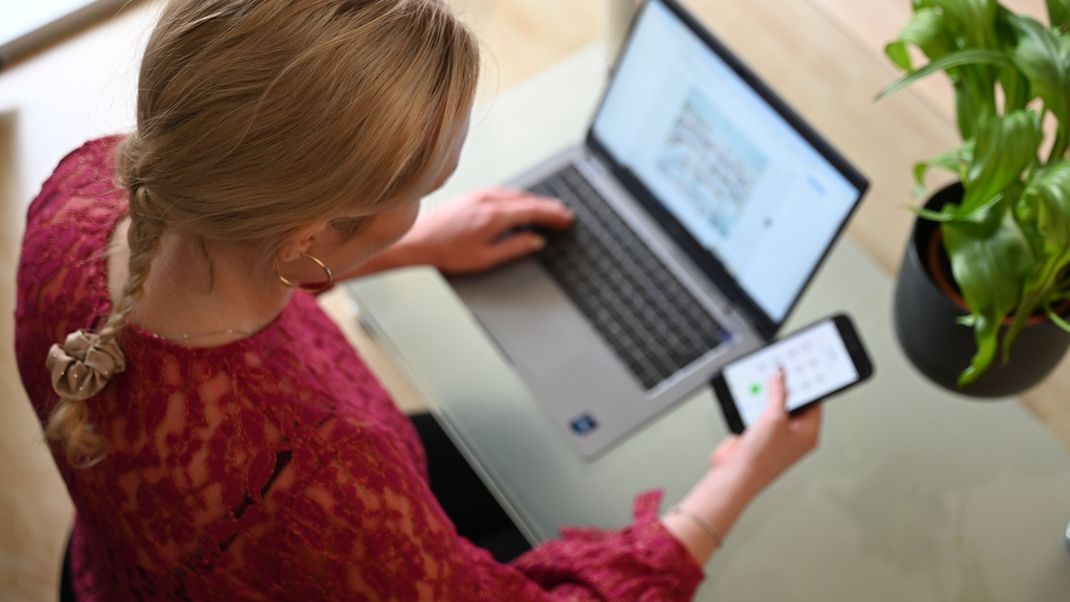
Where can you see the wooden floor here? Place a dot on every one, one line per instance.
(521, 37)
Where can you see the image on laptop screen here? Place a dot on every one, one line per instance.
(746, 185)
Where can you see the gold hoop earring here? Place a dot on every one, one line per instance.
(315, 288)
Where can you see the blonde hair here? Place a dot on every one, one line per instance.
(255, 117)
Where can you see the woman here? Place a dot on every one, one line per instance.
(217, 434)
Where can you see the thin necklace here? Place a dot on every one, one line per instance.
(187, 336)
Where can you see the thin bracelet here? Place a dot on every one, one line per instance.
(698, 520)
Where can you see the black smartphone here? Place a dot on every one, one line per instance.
(819, 361)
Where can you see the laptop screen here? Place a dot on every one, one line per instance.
(727, 165)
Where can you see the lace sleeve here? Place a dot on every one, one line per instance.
(642, 562)
(365, 525)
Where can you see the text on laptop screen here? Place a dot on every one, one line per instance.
(729, 168)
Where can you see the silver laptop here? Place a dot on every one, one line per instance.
(703, 206)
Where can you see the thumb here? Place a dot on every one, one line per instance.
(778, 393)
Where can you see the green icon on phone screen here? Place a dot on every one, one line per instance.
(756, 389)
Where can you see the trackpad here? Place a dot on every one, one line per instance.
(557, 353)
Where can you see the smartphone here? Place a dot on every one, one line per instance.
(819, 361)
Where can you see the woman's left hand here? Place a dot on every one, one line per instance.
(483, 229)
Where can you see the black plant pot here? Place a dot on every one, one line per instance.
(925, 323)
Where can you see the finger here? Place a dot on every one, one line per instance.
(778, 392)
(503, 193)
(533, 211)
(506, 194)
(514, 247)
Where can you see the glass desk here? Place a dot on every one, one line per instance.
(914, 494)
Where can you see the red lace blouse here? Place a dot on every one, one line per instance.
(274, 467)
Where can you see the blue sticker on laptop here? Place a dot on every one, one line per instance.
(584, 424)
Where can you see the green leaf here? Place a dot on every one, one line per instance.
(1025, 213)
(899, 54)
(933, 216)
(1044, 58)
(960, 37)
(1017, 92)
(972, 21)
(1051, 186)
(955, 161)
(956, 59)
(921, 168)
(1005, 146)
(968, 321)
(927, 31)
(986, 333)
(1049, 192)
(1057, 319)
(991, 272)
(1058, 13)
(968, 104)
(1037, 288)
(973, 24)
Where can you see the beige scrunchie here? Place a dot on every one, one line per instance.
(82, 366)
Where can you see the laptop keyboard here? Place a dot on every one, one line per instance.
(653, 324)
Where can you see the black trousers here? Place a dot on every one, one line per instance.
(463, 496)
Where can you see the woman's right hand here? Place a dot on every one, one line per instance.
(774, 443)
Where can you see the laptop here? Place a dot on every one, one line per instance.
(703, 206)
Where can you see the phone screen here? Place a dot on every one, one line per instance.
(816, 363)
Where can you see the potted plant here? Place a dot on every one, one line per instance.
(991, 253)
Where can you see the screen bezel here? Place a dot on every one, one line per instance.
(764, 323)
(855, 349)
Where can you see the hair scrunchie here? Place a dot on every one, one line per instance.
(83, 365)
